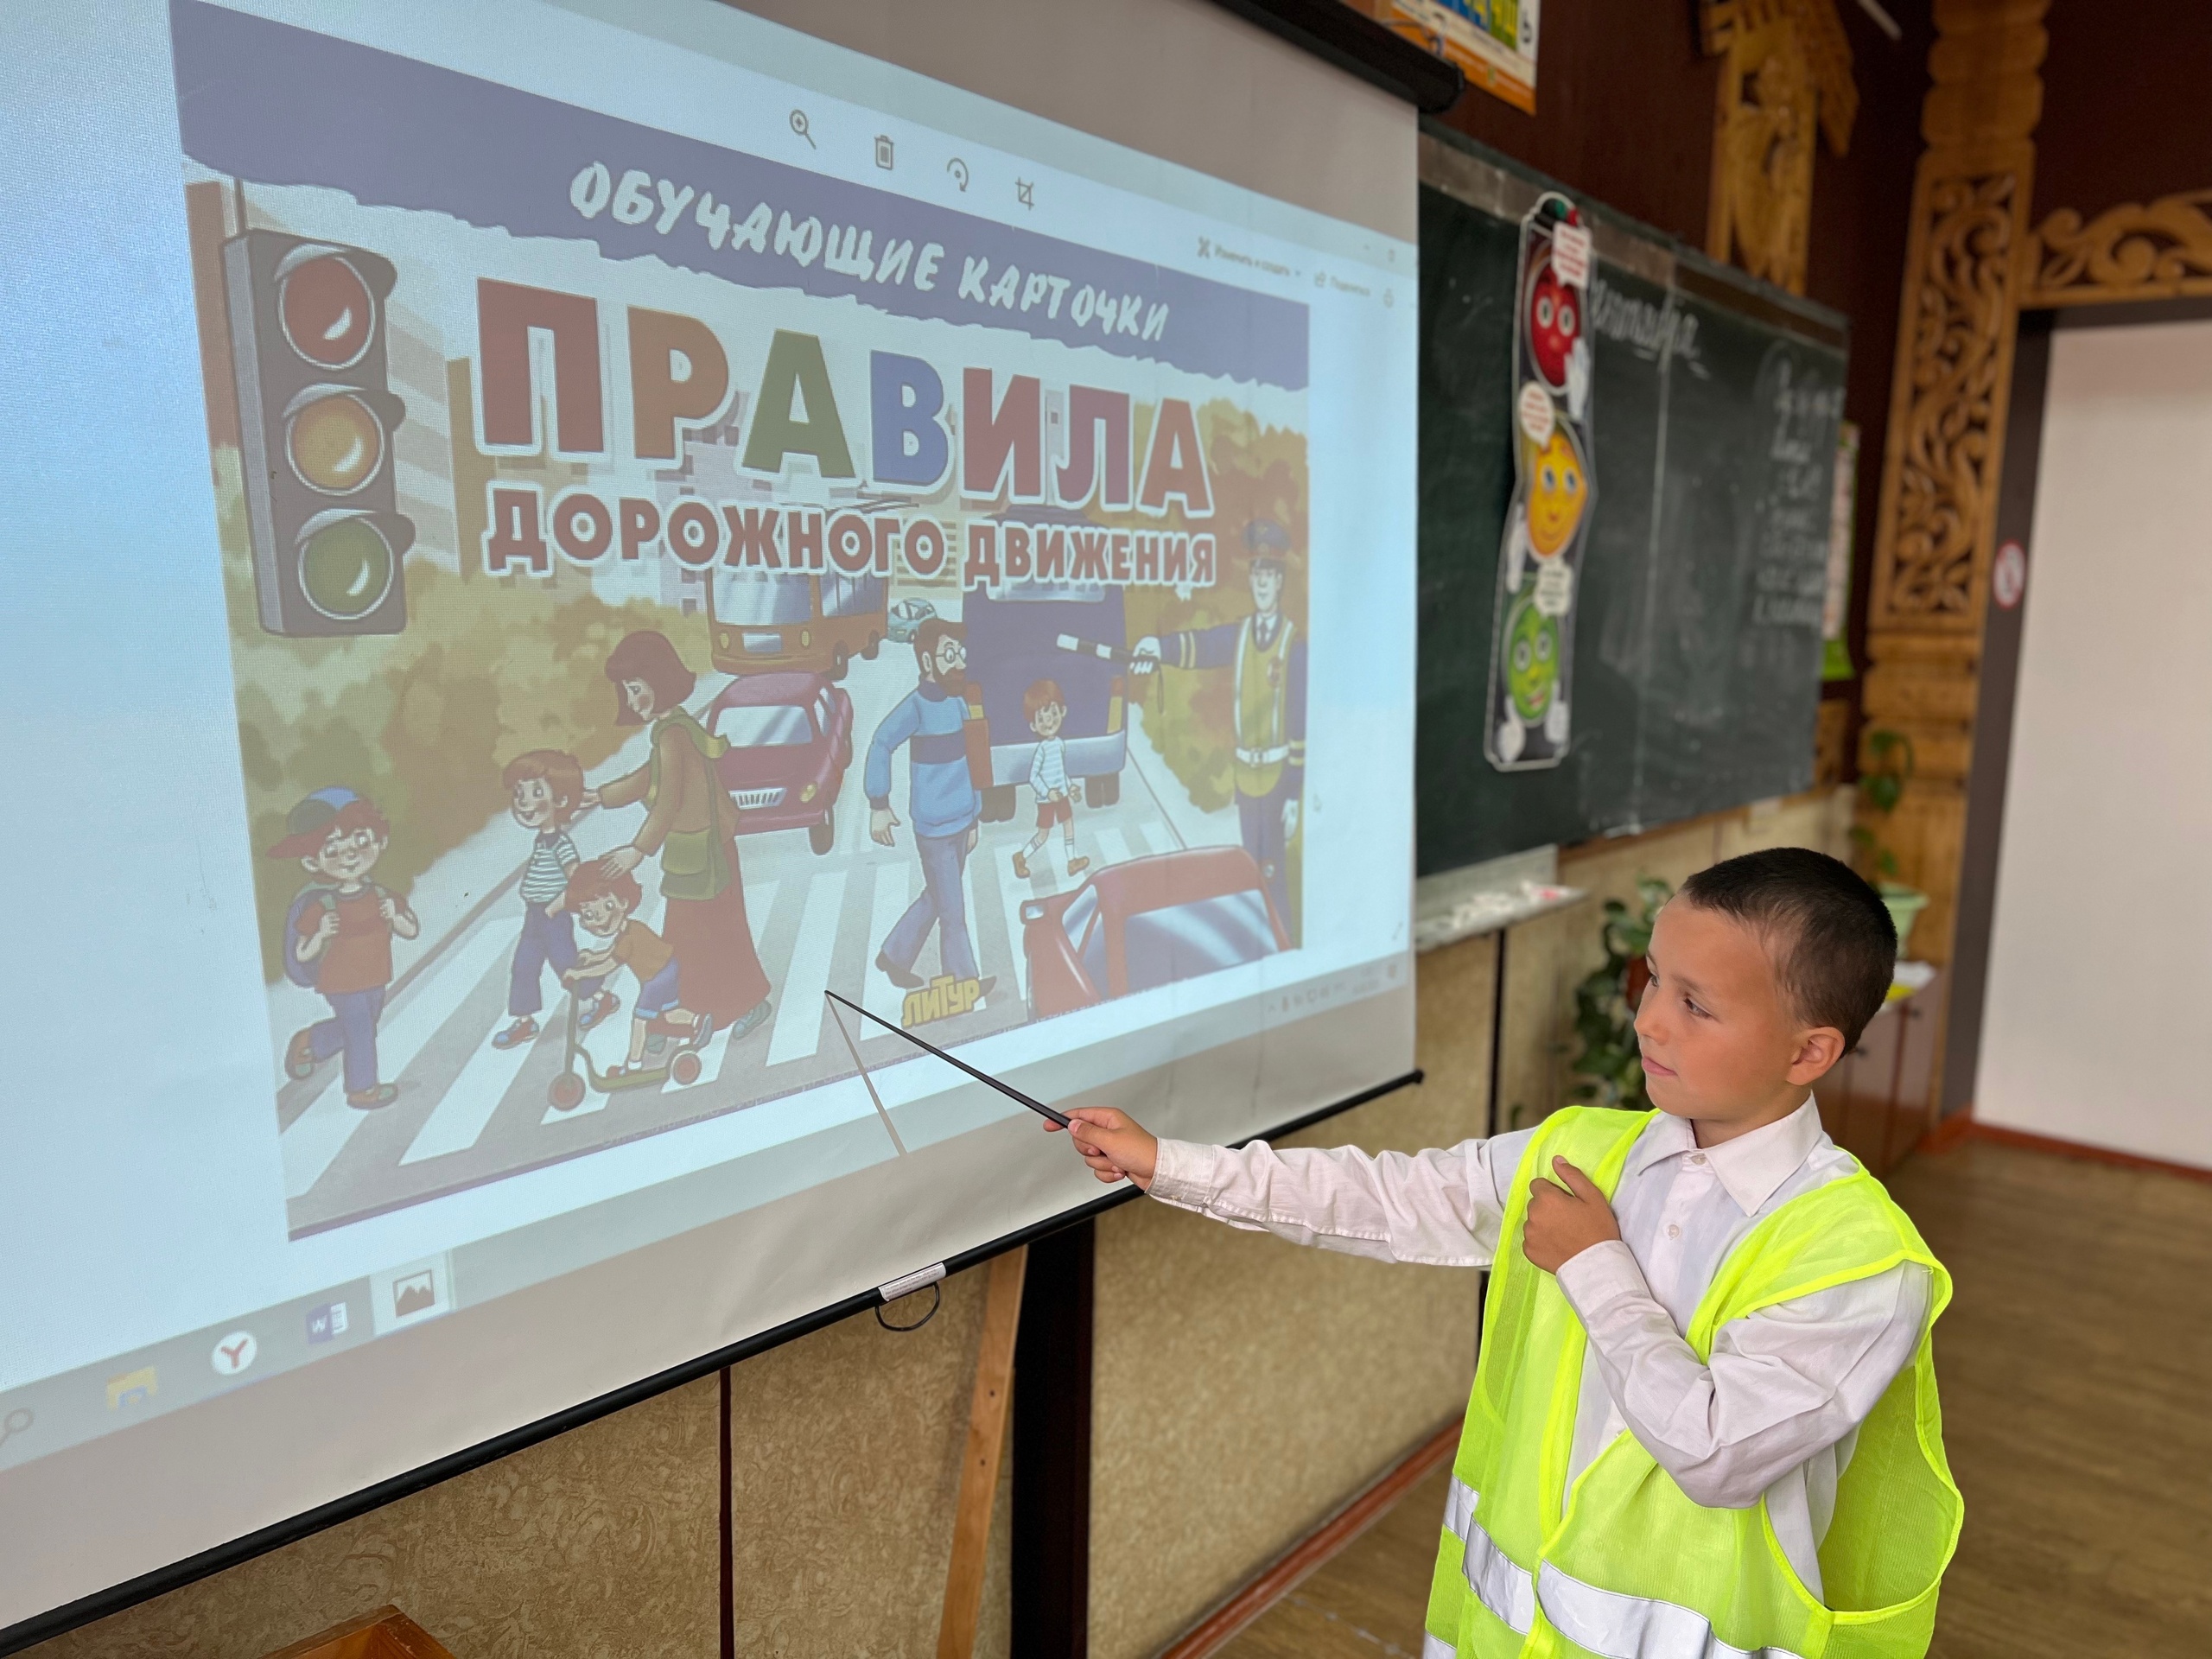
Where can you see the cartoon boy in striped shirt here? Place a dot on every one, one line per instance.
(1047, 706)
(546, 788)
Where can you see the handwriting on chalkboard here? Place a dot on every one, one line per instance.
(1790, 575)
(1647, 329)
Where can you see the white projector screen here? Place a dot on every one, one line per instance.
(508, 462)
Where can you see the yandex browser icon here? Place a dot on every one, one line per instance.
(308, 339)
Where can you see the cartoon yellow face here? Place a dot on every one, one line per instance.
(1557, 494)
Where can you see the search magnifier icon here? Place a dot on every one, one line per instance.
(16, 1422)
(798, 126)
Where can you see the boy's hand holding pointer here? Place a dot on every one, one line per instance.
(1113, 1143)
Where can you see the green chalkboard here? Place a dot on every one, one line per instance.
(1715, 404)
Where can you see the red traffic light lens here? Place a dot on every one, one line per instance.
(328, 314)
(345, 569)
(336, 444)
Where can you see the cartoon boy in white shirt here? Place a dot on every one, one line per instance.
(1047, 706)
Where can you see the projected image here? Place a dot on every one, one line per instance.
(666, 584)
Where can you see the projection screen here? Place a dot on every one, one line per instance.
(548, 535)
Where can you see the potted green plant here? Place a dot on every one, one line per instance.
(1881, 786)
(1610, 1065)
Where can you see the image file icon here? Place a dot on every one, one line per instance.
(416, 1293)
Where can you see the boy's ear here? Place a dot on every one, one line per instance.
(1818, 1050)
(308, 864)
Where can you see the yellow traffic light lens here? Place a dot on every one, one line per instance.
(345, 569)
(328, 313)
(336, 444)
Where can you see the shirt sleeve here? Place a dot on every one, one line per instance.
(626, 790)
(1782, 1384)
(1214, 647)
(1441, 1208)
(678, 761)
(565, 851)
(901, 723)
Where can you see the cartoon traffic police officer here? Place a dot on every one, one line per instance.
(1266, 655)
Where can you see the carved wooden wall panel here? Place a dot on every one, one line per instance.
(1786, 74)
(2155, 251)
(1959, 313)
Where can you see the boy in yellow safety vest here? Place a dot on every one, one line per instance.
(1704, 1423)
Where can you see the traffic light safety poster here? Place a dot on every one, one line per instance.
(1529, 724)
(666, 583)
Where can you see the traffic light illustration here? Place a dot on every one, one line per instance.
(309, 340)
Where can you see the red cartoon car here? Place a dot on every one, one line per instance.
(1147, 923)
(791, 739)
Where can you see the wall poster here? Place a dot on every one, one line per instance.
(1532, 642)
(1493, 42)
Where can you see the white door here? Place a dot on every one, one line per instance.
(2100, 1001)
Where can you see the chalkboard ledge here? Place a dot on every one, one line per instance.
(1484, 898)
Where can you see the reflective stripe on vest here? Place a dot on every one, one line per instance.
(1616, 1626)
(1278, 647)
(1633, 1627)
(1498, 1582)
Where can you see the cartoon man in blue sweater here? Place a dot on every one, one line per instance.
(942, 801)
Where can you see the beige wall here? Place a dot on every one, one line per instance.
(1245, 1388)
(601, 1541)
(844, 1465)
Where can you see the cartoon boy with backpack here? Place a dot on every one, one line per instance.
(338, 935)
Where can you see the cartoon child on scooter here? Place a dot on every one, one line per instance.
(602, 905)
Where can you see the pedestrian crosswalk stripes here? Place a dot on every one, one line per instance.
(320, 1134)
(468, 1113)
(1113, 846)
(798, 1018)
(1013, 893)
(896, 884)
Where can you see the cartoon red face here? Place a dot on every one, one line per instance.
(1554, 323)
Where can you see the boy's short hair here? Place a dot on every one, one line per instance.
(1039, 693)
(336, 811)
(564, 774)
(933, 629)
(1834, 945)
(589, 880)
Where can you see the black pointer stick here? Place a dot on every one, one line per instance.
(853, 1049)
(1007, 1089)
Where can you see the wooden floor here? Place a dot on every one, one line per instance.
(2076, 1368)
(1368, 1600)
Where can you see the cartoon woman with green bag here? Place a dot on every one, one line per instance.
(691, 823)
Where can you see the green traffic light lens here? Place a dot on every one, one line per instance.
(336, 444)
(345, 569)
(327, 311)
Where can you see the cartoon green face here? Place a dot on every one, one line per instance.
(1531, 660)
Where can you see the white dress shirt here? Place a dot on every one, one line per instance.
(1777, 1408)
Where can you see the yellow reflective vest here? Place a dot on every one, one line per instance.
(1622, 1564)
(1260, 708)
